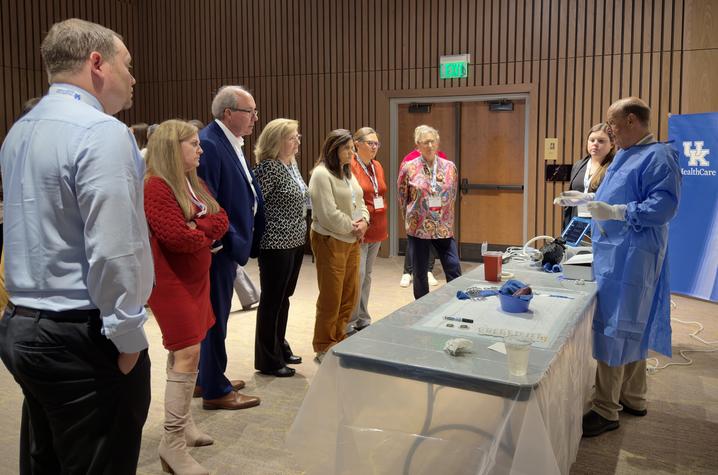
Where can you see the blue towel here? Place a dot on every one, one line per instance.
(512, 286)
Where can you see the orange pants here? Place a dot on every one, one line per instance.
(337, 265)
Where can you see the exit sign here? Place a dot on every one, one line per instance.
(454, 66)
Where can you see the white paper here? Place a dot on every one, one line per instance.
(547, 314)
(498, 347)
(580, 259)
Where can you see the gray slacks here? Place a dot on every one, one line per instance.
(360, 316)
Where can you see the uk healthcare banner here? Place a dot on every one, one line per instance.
(693, 243)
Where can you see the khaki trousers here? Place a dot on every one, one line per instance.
(625, 383)
(337, 265)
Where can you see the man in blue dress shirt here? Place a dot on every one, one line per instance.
(230, 179)
(79, 261)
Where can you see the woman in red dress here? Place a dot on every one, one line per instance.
(184, 220)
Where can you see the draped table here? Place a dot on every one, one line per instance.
(389, 400)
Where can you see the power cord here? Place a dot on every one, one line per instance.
(652, 364)
(525, 253)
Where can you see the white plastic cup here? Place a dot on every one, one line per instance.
(517, 350)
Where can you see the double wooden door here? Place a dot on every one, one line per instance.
(488, 148)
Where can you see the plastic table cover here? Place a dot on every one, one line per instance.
(389, 400)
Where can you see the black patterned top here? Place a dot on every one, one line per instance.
(285, 205)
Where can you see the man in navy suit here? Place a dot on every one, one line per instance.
(229, 177)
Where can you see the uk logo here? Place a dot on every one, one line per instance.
(696, 156)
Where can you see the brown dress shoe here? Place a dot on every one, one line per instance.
(230, 401)
(237, 384)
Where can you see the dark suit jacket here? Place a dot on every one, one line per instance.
(219, 167)
(578, 172)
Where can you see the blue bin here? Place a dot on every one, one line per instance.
(512, 304)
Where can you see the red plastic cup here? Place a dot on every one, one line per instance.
(492, 265)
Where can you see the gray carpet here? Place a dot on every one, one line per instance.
(680, 433)
(678, 436)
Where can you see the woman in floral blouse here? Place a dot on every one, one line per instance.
(427, 194)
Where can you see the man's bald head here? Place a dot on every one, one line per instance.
(629, 119)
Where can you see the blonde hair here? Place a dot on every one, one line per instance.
(164, 160)
(360, 134)
(269, 142)
(425, 130)
(597, 177)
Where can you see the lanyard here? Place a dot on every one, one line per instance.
(75, 93)
(372, 176)
(296, 177)
(587, 177)
(433, 173)
(202, 207)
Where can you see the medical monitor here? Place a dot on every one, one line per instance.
(576, 230)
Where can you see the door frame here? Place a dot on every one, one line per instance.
(394, 153)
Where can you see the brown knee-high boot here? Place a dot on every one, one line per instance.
(192, 434)
(173, 448)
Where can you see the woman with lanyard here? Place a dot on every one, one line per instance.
(370, 175)
(427, 194)
(184, 220)
(281, 249)
(588, 173)
(339, 221)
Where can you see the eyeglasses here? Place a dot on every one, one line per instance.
(296, 138)
(372, 143)
(254, 112)
(428, 142)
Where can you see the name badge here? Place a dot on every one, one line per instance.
(435, 203)
(378, 203)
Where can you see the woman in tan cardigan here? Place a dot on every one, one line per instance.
(339, 221)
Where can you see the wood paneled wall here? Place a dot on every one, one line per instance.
(23, 25)
(334, 63)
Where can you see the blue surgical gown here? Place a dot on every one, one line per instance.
(629, 260)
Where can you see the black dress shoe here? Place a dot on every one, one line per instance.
(293, 359)
(595, 424)
(632, 411)
(283, 372)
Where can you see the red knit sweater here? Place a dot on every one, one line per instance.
(180, 298)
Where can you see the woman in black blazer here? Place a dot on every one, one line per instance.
(587, 173)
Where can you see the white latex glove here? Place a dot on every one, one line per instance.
(604, 211)
(573, 198)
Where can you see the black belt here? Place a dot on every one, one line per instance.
(63, 316)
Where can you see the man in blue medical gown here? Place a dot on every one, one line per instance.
(630, 210)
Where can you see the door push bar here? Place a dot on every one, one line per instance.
(466, 186)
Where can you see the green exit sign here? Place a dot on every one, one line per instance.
(455, 70)
(454, 66)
